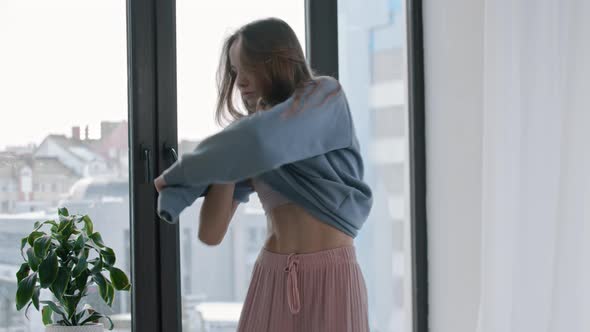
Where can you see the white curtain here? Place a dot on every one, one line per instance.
(535, 266)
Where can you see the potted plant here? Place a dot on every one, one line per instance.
(67, 260)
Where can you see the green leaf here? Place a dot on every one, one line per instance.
(102, 285)
(55, 308)
(82, 265)
(38, 224)
(70, 264)
(36, 297)
(81, 315)
(27, 309)
(63, 211)
(108, 256)
(81, 281)
(62, 252)
(67, 244)
(22, 272)
(67, 233)
(85, 252)
(60, 284)
(23, 243)
(48, 270)
(95, 316)
(98, 266)
(84, 314)
(41, 245)
(111, 294)
(119, 279)
(80, 241)
(70, 303)
(32, 259)
(88, 226)
(46, 314)
(97, 239)
(33, 236)
(66, 228)
(63, 219)
(25, 290)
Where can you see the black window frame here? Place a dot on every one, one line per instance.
(155, 251)
(418, 180)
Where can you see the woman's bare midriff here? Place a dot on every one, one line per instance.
(291, 229)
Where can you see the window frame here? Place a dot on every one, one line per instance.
(155, 246)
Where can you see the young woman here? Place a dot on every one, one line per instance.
(306, 277)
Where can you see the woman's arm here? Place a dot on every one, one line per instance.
(216, 213)
(294, 130)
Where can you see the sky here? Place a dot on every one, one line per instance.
(64, 63)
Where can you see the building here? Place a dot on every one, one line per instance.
(114, 147)
(373, 73)
(37, 177)
(32, 184)
(80, 156)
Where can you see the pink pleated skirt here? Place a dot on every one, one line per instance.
(323, 291)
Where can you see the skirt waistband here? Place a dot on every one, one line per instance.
(342, 255)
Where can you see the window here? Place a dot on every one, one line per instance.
(372, 68)
(187, 259)
(219, 273)
(77, 53)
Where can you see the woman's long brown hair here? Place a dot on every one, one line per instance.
(271, 49)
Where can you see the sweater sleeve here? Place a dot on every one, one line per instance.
(291, 131)
(242, 191)
(172, 200)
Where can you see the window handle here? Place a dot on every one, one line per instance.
(170, 152)
(146, 156)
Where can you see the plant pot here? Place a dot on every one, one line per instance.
(86, 328)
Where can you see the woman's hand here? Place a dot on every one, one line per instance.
(159, 183)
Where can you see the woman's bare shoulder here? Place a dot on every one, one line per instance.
(326, 80)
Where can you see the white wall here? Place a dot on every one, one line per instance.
(453, 65)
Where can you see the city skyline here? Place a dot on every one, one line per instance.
(79, 76)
